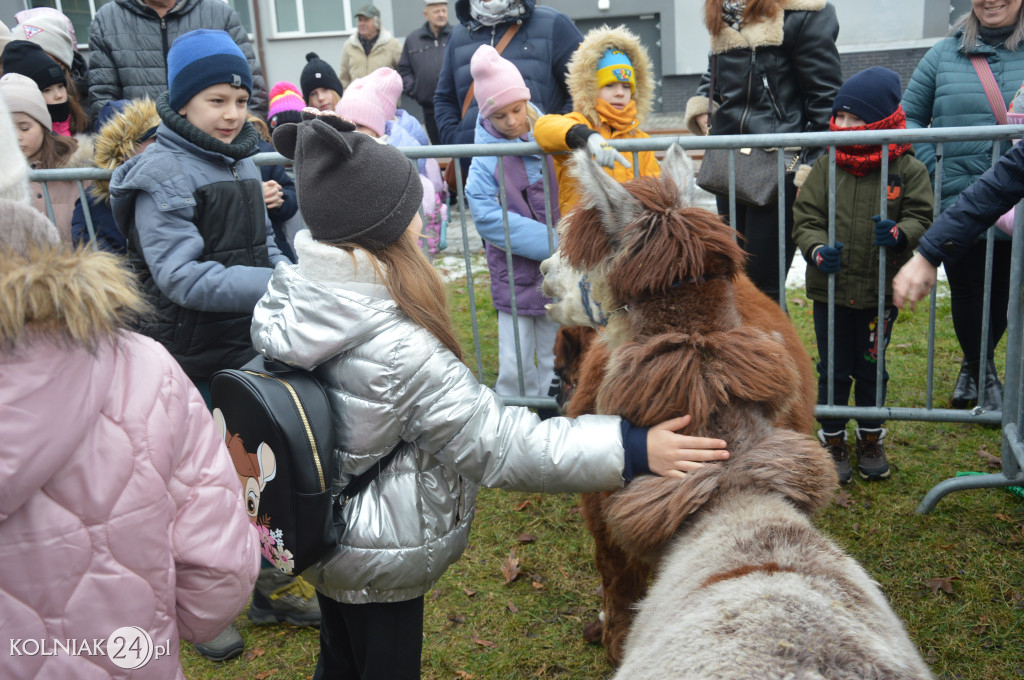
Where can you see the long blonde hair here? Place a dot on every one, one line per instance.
(755, 10)
(972, 27)
(415, 286)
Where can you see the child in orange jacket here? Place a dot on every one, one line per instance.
(611, 81)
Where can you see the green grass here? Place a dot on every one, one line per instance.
(478, 626)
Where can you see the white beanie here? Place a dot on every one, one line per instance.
(14, 169)
(50, 30)
(5, 35)
(23, 96)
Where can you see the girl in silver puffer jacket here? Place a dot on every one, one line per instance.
(366, 313)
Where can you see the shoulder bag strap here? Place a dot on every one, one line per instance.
(506, 38)
(988, 81)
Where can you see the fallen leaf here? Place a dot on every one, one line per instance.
(512, 607)
(565, 574)
(537, 585)
(265, 674)
(1003, 517)
(255, 653)
(483, 643)
(463, 675)
(542, 671)
(855, 527)
(798, 301)
(468, 592)
(990, 460)
(510, 568)
(944, 584)
(522, 506)
(842, 499)
(526, 538)
(456, 618)
(592, 632)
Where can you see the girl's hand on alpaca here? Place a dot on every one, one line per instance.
(673, 455)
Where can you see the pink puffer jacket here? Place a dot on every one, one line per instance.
(119, 505)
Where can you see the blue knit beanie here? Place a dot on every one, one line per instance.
(871, 95)
(203, 58)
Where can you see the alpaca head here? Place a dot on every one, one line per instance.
(639, 238)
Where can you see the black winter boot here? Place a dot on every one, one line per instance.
(991, 398)
(965, 390)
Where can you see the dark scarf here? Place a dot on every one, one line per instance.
(243, 146)
(368, 44)
(860, 159)
(59, 112)
(994, 37)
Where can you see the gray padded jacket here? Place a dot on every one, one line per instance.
(128, 44)
(392, 384)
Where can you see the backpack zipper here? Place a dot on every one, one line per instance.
(305, 424)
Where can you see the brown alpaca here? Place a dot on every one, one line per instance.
(669, 277)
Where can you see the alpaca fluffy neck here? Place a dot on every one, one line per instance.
(694, 307)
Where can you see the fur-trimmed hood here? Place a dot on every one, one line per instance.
(116, 141)
(762, 33)
(84, 296)
(582, 77)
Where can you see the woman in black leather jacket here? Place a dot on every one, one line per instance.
(776, 70)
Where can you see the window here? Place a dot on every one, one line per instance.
(303, 17)
(81, 13)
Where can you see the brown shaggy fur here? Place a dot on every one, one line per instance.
(691, 334)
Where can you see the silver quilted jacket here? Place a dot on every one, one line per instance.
(391, 383)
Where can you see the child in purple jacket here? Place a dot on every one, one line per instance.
(506, 115)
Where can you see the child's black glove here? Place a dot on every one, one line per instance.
(888, 234)
(826, 258)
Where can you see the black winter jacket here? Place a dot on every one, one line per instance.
(977, 208)
(420, 65)
(128, 44)
(779, 75)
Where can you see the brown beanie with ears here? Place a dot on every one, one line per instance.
(351, 189)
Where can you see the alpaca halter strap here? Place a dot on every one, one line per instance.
(595, 312)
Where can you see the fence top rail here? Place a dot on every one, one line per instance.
(654, 143)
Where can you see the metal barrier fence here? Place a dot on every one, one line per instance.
(1013, 407)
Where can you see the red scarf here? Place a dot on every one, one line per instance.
(860, 159)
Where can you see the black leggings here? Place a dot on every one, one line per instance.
(759, 228)
(966, 295)
(375, 641)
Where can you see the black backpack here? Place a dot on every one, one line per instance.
(279, 429)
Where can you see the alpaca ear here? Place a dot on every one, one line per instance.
(678, 166)
(598, 190)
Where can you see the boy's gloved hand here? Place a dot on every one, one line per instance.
(826, 258)
(888, 234)
(604, 153)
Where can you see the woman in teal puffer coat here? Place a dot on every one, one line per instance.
(945, 91)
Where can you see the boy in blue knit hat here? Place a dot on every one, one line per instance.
(869, 100)
(198, 235)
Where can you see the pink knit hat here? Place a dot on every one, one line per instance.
(360, 103)
(388, 84)
(285, 96)
(497, 81)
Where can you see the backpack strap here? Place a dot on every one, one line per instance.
(506, 38)
(988, 81)
(356, 486)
